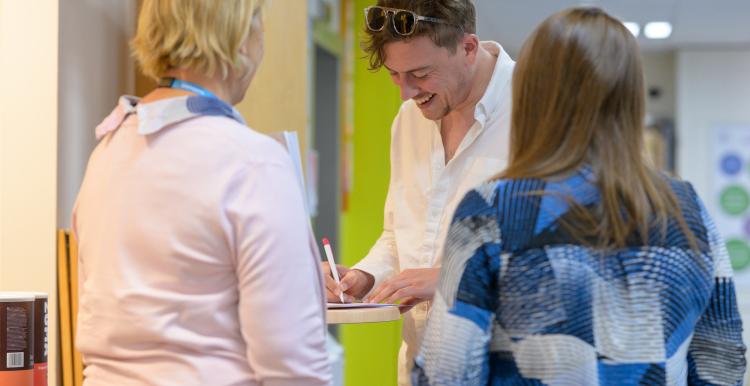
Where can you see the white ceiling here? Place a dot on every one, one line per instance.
(695, 23)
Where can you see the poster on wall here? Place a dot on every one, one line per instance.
(732, 195)
(730, 207)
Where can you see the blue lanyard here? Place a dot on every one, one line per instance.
(213, 106)
(192, 87)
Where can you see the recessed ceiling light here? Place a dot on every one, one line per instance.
(633, 27)
(658, 30)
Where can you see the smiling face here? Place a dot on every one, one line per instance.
(436, 79)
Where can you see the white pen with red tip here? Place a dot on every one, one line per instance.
(332, 263)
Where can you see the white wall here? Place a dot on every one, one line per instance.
(95, 69)
(28, 152)
(659, 71)
(713, 88)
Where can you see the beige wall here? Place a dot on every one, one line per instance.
(28, 151)
(277, 99)
(95, 69)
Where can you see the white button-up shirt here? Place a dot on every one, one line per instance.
(424, 190)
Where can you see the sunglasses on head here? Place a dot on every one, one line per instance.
(404, 21)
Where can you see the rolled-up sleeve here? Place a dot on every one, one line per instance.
(382, 260)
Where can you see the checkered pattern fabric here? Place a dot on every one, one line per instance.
(521, 302)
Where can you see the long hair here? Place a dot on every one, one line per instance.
(578, 99)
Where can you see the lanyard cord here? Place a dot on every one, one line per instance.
(187, 86)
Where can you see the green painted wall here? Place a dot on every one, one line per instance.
(371, 350)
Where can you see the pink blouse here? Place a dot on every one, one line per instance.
(197, 266)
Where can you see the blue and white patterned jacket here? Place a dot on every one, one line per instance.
(520, 302)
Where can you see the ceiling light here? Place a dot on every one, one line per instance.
(658, 30)
(633, 27)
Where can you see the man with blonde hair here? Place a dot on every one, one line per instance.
(450, 134)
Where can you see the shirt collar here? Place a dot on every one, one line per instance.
(154, 116)
(495, 97)
(125, 106)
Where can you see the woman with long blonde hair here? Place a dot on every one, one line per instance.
(582, 264)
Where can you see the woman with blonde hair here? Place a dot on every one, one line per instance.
(581, 264)
(197, 266)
